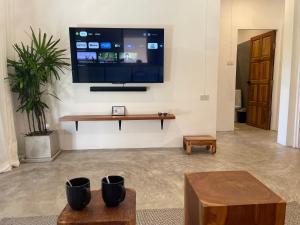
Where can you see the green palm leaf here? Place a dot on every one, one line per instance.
(38, 65)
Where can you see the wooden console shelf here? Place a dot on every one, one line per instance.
(77, 118)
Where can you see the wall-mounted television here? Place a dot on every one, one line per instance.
(117, 55)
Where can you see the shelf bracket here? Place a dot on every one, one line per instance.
(162, 124)
(120, 124)
(76, 125)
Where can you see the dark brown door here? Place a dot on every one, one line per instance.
(260, 82)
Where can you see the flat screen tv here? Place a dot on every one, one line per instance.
(117, 55)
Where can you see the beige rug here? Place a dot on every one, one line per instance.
(148, 217)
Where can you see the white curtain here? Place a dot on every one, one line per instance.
(8, 141)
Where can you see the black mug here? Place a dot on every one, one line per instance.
(113, 190)
(78, 193)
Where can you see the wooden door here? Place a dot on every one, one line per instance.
(260, 82)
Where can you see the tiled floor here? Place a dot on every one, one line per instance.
(156, 174)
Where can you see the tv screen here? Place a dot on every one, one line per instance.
(117, 55)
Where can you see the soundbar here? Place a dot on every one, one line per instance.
(118, 89)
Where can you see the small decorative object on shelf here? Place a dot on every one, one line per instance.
(118, 110)
(164, 114)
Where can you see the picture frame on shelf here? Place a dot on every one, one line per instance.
(118, 111)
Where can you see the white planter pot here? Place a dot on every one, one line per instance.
(42, 148)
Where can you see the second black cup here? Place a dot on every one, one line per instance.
(113, 190)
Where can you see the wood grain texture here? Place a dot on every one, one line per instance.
(113, 118)
(96, 213)
(230, 198)
(259, 104)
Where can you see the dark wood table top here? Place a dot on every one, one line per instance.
(96, 213)
(230, 188)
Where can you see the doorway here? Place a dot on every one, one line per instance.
(254, 77)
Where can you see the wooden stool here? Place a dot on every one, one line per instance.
(199, 140)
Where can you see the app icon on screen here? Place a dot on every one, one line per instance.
(83, 34)
(86, 56)
(105, 45)
(108, 57)
(93, 45)
(81, 45)
(129, 57)
(152, 45)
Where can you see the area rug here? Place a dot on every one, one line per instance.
(148, 217)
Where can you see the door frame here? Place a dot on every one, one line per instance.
(276, 74)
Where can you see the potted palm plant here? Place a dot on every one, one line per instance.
(39, 64)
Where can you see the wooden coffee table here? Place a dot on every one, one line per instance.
(96, 213)
(230, 198)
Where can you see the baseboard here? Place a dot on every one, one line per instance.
(41, 160)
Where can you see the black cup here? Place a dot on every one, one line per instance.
(114, 192)
(79, 194)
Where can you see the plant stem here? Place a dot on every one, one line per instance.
(42, 122)
(39, 115)
(38, 121)
(33, 123)
(45, 121)
(28, 120)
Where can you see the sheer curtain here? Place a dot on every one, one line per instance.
(8, 141)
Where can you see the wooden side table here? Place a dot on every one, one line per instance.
(96, 213)
(199, 140)
(230, 198)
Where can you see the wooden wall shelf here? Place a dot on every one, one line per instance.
(77, 118)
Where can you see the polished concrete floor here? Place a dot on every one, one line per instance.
(156, 174)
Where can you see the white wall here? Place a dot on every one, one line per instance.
(184, 69)
(289, 114)
(254, 14)
(246, 35)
